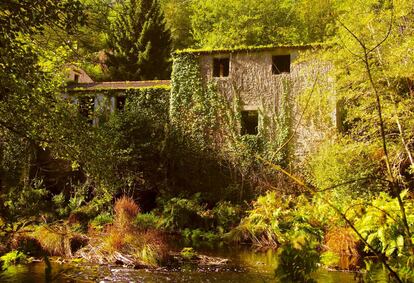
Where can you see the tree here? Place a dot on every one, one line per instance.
(139, 42)
(374, 70)
(228, 23)
(178, 17)
(33, 113)
(29, 86)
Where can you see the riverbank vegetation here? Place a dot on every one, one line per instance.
(115, 193)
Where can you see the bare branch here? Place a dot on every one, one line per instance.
(388, 32)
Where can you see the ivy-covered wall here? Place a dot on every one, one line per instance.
(295, 108)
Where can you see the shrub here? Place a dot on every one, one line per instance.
(22, 202)
(25, 243)
(143, 247)
(149, 255)
(342, 241)
(51, 241)
(75, 203)
(124, 242)
(115, 240)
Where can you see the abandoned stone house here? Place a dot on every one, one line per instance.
(260, 77)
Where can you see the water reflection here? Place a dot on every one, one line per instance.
(246, 266)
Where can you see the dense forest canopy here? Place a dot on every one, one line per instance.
(66, 181)
(205, 24)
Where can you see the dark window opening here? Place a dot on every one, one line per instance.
(221, 67)
(280, 64)
(76, 78)
(250, 122)
(120, 102)
(86, 108)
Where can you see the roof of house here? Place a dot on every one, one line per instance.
(96, 86)
(246, 49)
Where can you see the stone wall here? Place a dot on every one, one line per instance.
(252, 81)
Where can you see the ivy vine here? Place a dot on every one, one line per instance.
(205, 117)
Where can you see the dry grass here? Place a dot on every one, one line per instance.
(122, 242)
(133, 247)
(157, 239)
(52, 242)
(125, 211)
(58, 239)
(115, 239)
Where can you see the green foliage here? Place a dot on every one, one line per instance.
(180, 213)
(146, 221)
(29, 72)
(149, 255)
(275, 220)
(218, 23)
(128, 147)
(177, 16)
(139, 42)
(261, 225)
(329, 258)
(188, 253)
(276, 128)
(21, 203)
(75, 201)
(35, 119)
(297, 259)
(100, 221)
(199, 236)
(187, 91)
(12, 258)
(195, 221)
(385, 84)
(56, 238)
(381, 224)
(346, 168)
(226, 215)
(239, 48)
(373, 81)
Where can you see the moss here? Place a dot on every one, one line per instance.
(80, 91)
(243, 49)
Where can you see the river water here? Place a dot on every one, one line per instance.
(245, 266)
